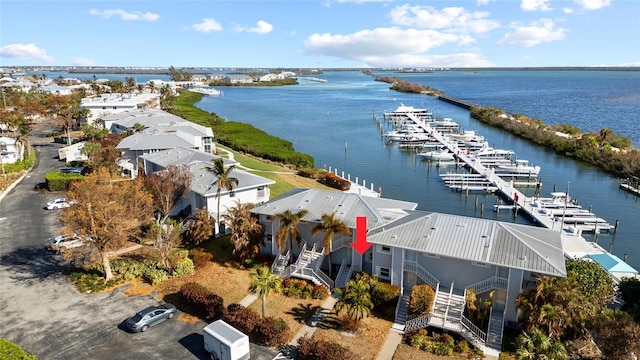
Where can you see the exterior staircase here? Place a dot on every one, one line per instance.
(307, 266)
(402, 309)
(344, 274)
(496, 327)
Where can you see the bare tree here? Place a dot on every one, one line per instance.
(106, 211)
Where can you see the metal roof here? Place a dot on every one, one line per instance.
(473, 239)
(181, 156)
(348, 206)
(202, 182)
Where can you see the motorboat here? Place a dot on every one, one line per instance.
(206, 90)
(405, 132)
(518, 168)
(445, 125)
(558, 200)
(437, 155)
(404, 112)
(467, 135)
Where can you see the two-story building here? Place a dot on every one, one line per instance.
(106, 104)
(204, 188)
(453, 254)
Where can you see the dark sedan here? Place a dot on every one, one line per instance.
(151, 316)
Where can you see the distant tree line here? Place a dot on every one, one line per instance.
(613, 153)
(407, 87)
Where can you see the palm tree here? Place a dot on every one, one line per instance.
(535, 344)
(223, 180)
(247, 235)
(356, 298)
(263, 283)
(288, 229)
(330, 226)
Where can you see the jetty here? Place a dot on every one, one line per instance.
(570, 226)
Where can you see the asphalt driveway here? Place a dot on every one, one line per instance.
(46, 316)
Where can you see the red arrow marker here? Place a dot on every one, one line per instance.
(361, 245)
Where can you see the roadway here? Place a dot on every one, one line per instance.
(46, 315)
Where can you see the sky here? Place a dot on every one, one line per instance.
(320, 34)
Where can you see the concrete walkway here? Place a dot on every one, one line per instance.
(310, 327)
(391, 342)
(248, 300)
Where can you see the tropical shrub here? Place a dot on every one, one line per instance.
(336, 182)
(421, 299)
(271, 332)
(200, 257)
(297, 288)
(242, 318)
(128, 269)
(319, 292)
(201, 301)
(312, 349)
(182, 265)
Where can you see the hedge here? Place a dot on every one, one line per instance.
(58, 181)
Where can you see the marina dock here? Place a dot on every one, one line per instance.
(564, 217)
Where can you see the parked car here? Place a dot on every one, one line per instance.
(63, 242)
(58, 203)
(71, 170)
(151, 316)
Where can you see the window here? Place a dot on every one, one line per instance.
(384, 249)
(384, 273)
(232, 194)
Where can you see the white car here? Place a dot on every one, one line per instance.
(63, 242)
(58, 203)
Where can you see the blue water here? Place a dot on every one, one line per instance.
(334, 123)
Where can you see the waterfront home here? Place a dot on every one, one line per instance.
(10, 150)
(250, 188)
(237, 79)
(131, 120)
(164, 136)
(106, 104)
(453, 254)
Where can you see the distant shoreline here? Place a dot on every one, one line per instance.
(207, 70)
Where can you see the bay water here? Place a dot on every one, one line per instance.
(334, 123)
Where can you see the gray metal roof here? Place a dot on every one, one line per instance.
(203, 179)
(154, 141)
(485, 241)
(181, 156)
(348, 206)
(152, 118)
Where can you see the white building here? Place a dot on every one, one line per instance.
(10, 151)
(250, 189)
(115, 103)
(72, 152)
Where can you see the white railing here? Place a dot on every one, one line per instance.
(281, 262)
(301, 269)
(343, 271)
(489, 284)
(341, 242)
(473, 329)
(421, 272)
(501, 322)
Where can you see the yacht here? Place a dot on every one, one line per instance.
(404, 112)
(519, 168)
(437, 155)
(405, 132)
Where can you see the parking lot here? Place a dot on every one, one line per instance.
(46, 316)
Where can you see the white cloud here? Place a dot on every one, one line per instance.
(389, 46)
(80, 61)
(25, 51)
(207, 25)
(126, 16)
(262, 27)
(453, 19)
(541, 31)
(482, 2)
(535, 5)
(593, 4)
(568, 10)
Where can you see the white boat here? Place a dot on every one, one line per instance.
(518, 168)
(489, 153)
(437, 155)
(467, 135)
(403, 112)
(558, 200)
(445, 125)
(405, 132)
